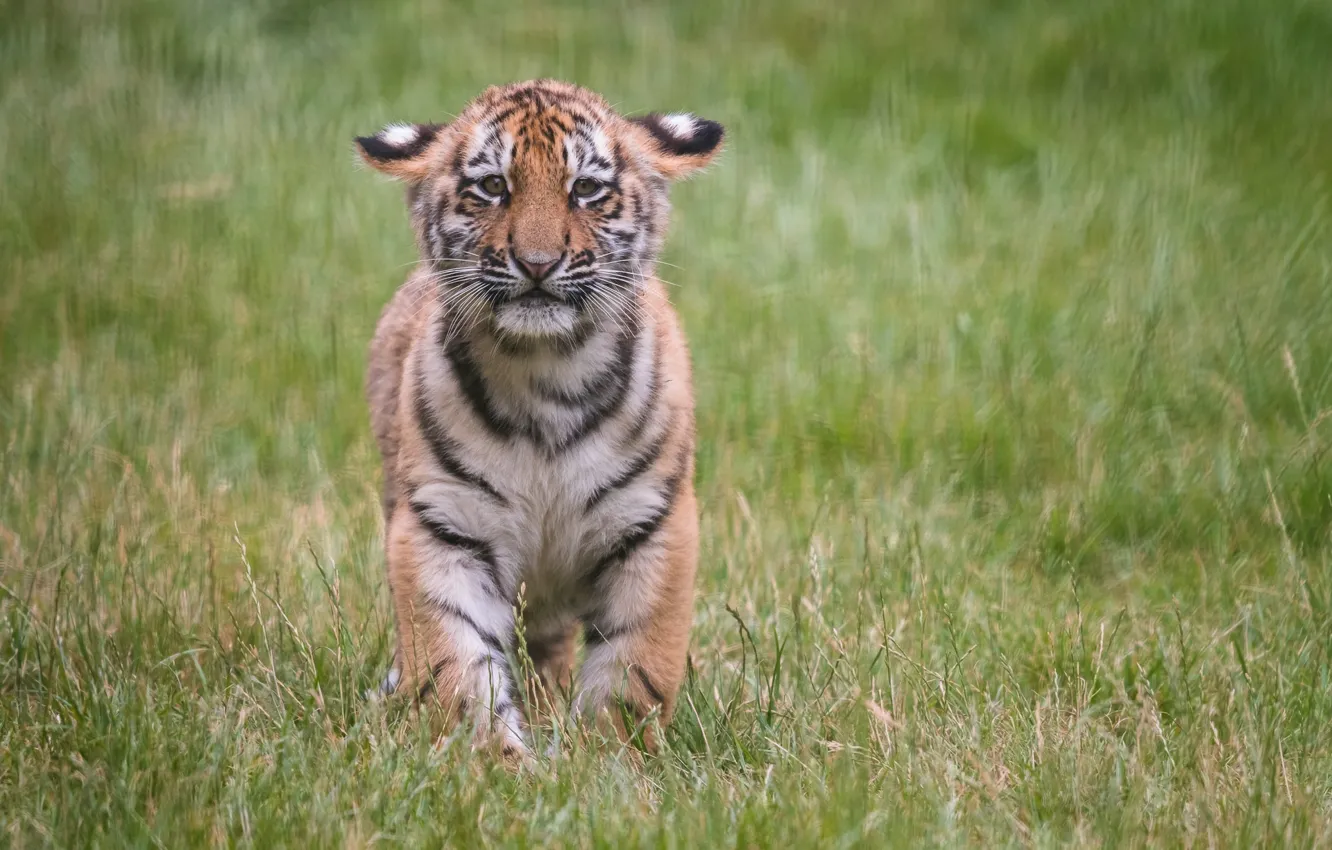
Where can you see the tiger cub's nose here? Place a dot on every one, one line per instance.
(536, 271)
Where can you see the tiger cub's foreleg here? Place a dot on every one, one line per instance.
(637, 636)
(455, 624)
(552, 649)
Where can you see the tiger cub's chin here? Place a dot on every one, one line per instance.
(537, 320)
(563, 469)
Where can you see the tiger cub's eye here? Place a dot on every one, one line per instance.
(585, 186)
(494, 185)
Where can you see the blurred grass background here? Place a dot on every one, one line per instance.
(1012, 323)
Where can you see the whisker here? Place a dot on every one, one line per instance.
(615, 316)
(621, 278)
(619, 306)
(623, 275)
(452, 275)
(472, 255)
(467, 303)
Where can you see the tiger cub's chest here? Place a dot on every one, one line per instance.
(550, 470)
(558, 518)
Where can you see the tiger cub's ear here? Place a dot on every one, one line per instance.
(401, 151)
(678, 144)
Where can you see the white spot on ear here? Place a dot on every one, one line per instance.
(399, 135)
(680, 125)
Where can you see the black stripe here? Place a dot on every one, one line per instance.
(635, 469)
(497, 658)
(480, 662)
(642, 215)
(621, 372)
(430, 682)
(585, 395)
(504, 700)
(583, 258)
(595, 390)
(445, 450)
(441, 532)
(648, 686)
(594, 635)
(457, 613)
(483, 149)
(649, 404)
(478, 549)
(639, 533)
(454, 244)
(474, 390)
(482, 156)
(499, 117)
(530, 94)
(514, 346)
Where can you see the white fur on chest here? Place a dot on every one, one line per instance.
(547, 536)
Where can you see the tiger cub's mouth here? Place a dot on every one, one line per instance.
(536, 297)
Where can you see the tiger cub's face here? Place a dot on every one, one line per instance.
(539, 208)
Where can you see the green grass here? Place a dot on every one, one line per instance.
(1012, 323)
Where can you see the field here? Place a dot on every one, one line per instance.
(1012, 327)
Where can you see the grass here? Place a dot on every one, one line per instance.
(1012, 323)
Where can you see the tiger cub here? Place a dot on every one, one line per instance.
(530, 391)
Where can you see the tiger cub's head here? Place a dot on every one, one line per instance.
(539, 208)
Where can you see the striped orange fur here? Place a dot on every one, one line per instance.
(530, 391)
